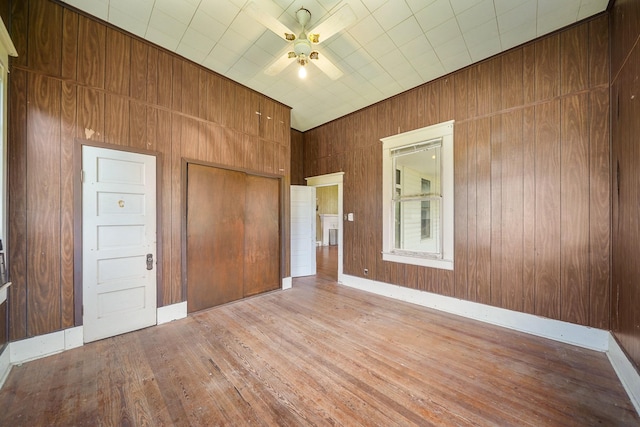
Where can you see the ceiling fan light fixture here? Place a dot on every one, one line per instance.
(302, 71)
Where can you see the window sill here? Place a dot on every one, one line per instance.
(443, 264)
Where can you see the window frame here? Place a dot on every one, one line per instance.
(389, 253)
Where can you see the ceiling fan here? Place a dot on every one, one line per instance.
(304, 43)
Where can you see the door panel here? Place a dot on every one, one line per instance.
(215, 236)
(262, 235)
(119, 232)
(303, 231)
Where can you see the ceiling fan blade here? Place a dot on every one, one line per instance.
(326, 66)
(330, 26)
(279, 64)
(269, 21)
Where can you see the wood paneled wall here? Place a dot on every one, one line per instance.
(76, 77)
(625, 128)
(532, 176)
(297, 158)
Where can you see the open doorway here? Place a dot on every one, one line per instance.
(327, 232)
(329, 225)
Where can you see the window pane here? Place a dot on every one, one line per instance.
(409, 226)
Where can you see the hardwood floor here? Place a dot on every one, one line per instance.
(318, 354)
(327, 262)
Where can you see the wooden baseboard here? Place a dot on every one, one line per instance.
(626, 371)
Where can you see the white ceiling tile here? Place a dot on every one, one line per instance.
(258, 56)
(456, 62)
(342, 45)
(432, 72)
(140, 9)
(519, 16)
(546, 7)
(221, 10)
(198, 41)
(435, 14)
(373, 5)
(370, 70)
(451, 48)
(163, 23)
(208, 26)
(220, 59)
(180, 10)
(391, 14)
(405, 31)
(477, 15)
(444, 33)
(272, 43)
(485, 49)
(482, 33)
(162, 39)
(366, 30)
(417, 5)
(358, 59)
(518, 36)
(97, 8)
(127, 22)
(503, 6)
(591, 7)
(416, 47)
(381, 45)
(189, 52)
(235, 42)
(460, 6)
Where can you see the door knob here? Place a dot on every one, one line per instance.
(149, 261)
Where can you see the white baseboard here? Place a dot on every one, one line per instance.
(626, 371)
(287, 282)
(45, 345)
(5, 365)
(582, 336)
(172, 312)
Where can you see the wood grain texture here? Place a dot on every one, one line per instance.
(512, 113)
(215, 236)
(625, 182)
(17, 209)
(284, 359)
(547, 209)
(43, 206)
(574, 217)
(261, 235)
(113, 88)
(45, 38)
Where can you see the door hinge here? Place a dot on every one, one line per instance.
(82, 310)
(82, 176)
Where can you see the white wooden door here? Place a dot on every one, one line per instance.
(303, 231)
(119, 242)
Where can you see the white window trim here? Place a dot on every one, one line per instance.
(444, 130)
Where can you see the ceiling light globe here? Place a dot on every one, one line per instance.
(302, 72)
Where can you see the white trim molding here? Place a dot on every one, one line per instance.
(5, 364)
(569, 333)
(167, 313)
(45, 345)
(626, 371)
(287, 282)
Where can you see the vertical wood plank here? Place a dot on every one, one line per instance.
(574, 202)
(68, 124)
(91, 53)
(528, 209)
(512, 79)
(69, 44)
(190, 89)
(574, 55)
(496, 210)
(118, 62)
(137, 125)
(116, 121)
(547, 68)
(91, 106)
(175, 272)
(43, 206)
(483, 210)
(17, 209)
(165, 77)
(599, 51)
(19, 31)
(599, 211)
(152, 74)
(472, 212)
(45, 37)
(446, 99)
(461, 210)
(170, 291)
(139, 70)
(512, 211)
(547, 221)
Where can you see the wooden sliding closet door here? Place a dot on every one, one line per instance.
(261, 235)
(215, 236)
